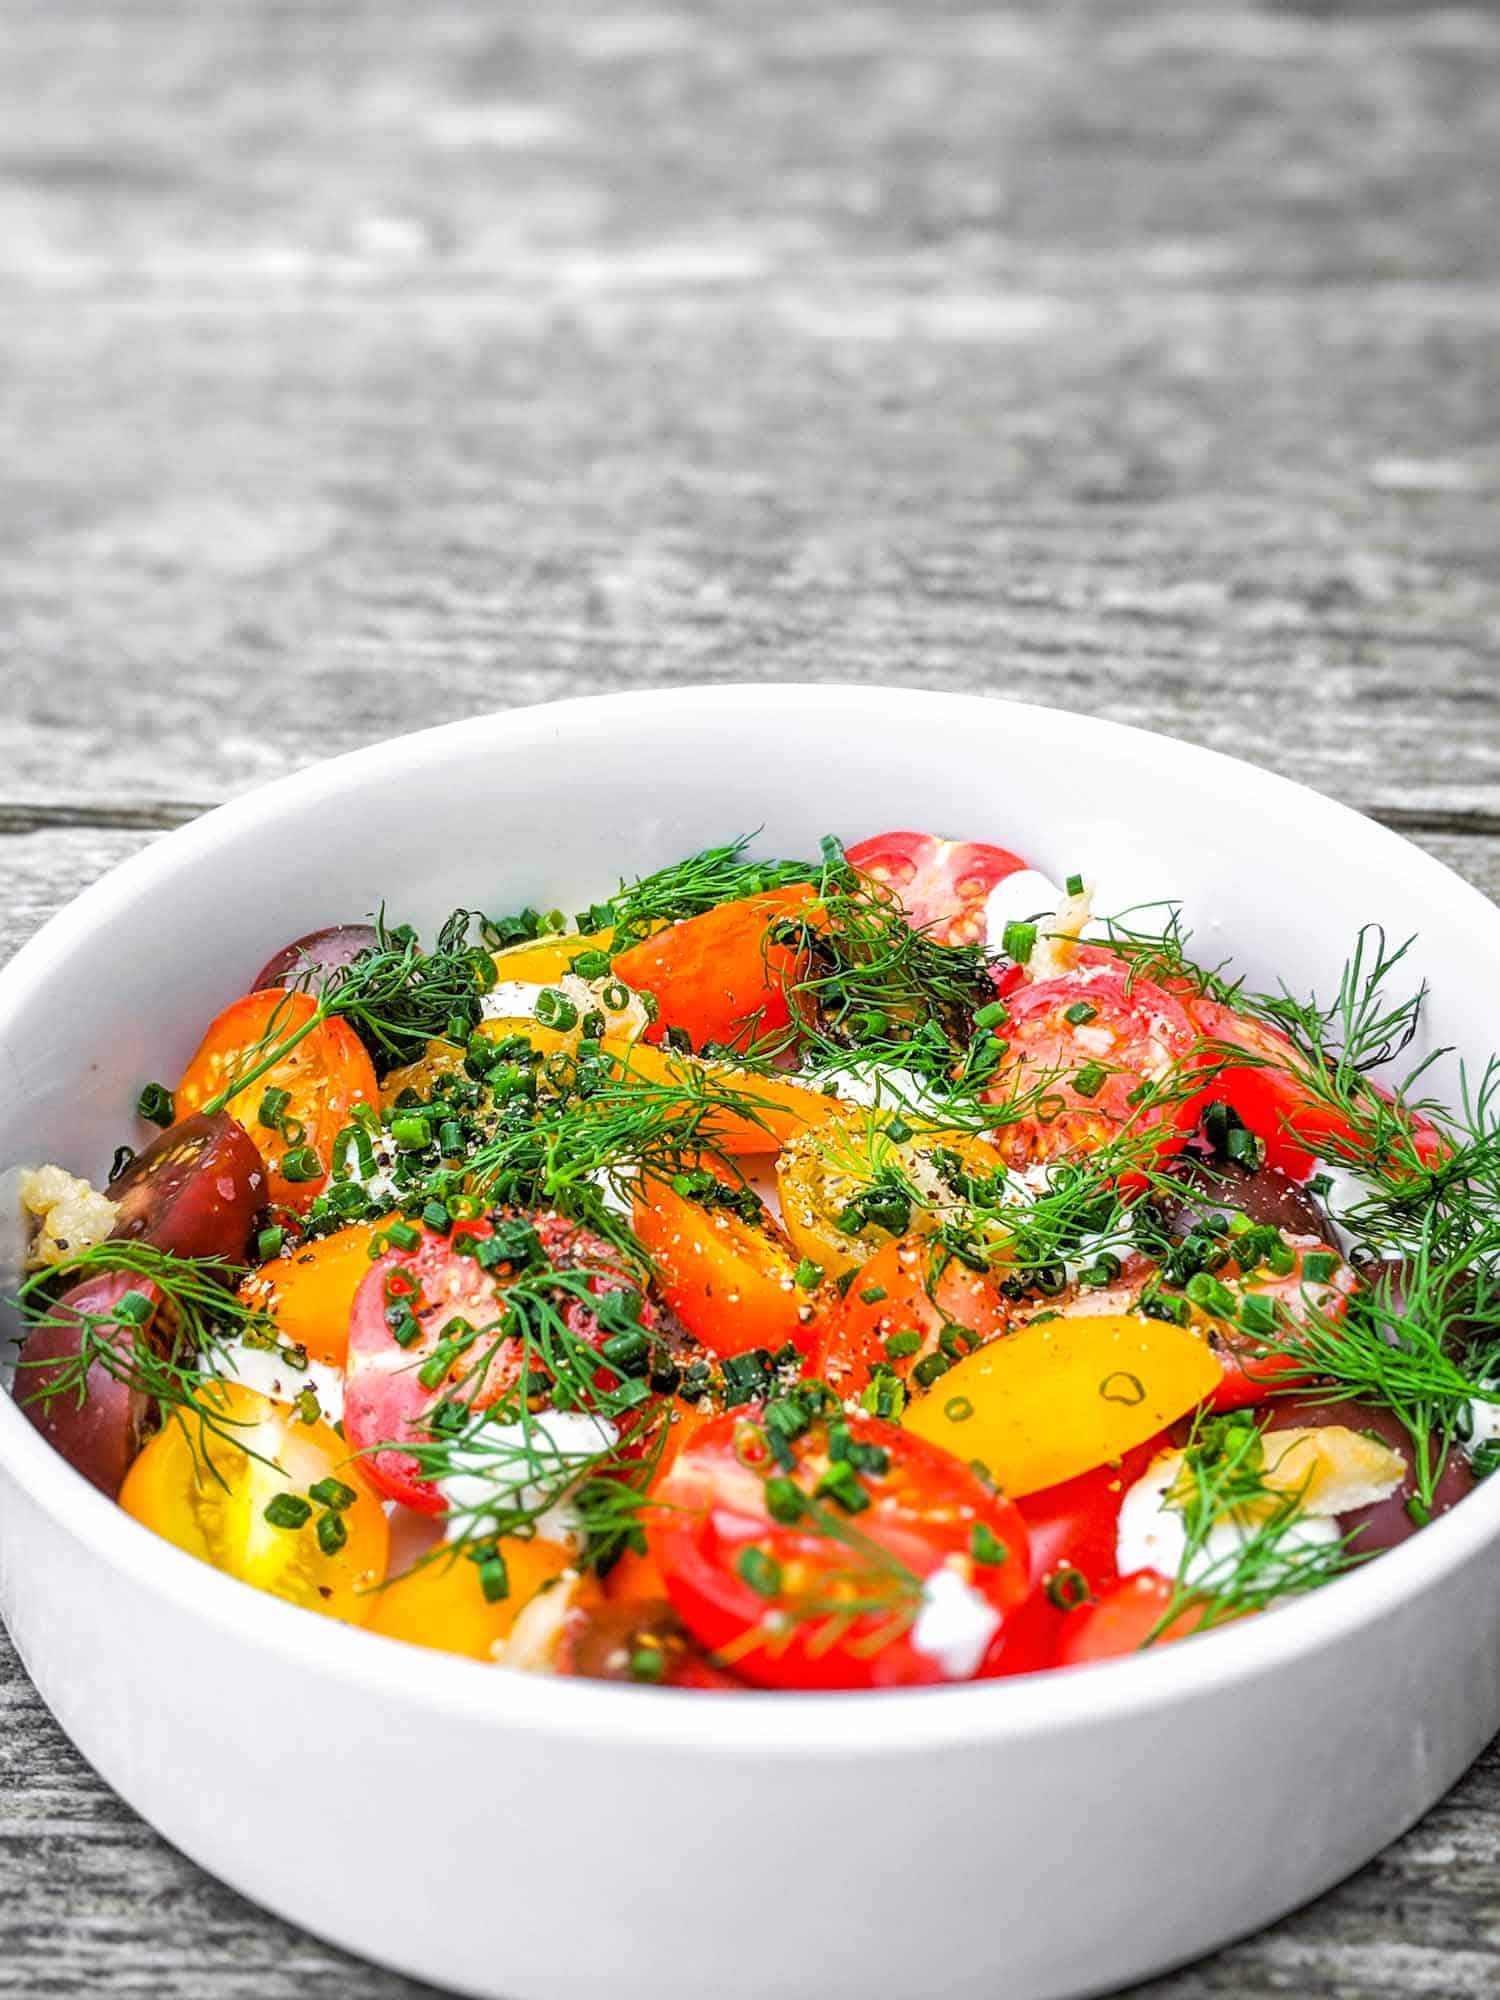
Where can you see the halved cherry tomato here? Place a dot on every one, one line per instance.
(324, 1076)
(194, 1191)
(540, 961)
(813, 1569)
(416, 1296)
(731, 1282)
(1124, 1620)
(897, 1311)
(1058, 1397)
(641, 1640)
(847, 1188)
(720, 977)
(209, 1494)
(1073, 1530)
(309, 1292)
(1250, 1373)
(1274, 1099)
(1081, 1050)
(941, 884)
(442, 1604)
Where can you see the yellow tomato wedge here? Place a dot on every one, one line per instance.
(1043, 1404)
(309, 1293)
(442, 1604)
(542, 960)
(208, 1493)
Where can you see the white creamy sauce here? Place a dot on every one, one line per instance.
(1152, 1535)
(1484, 1425)
(513, 1470)
(955, 1624)
(259, 1369)
(511, 1000)
(1024, 896)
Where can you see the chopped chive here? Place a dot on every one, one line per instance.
(784, 1500)
(555, 1010)
(1074, 885)
(1079, 1012)
(1089, 1081)
(155, 1105)
(1318, 1267)
(808, 1275)
(872, 1295)
(333, 1532)
(989, 1016)
(958, 1409)
(333, 1493)
(985, 1546)
(405, 1235)
(899, 1345)
(287, 1510)
(411, 1131)
(760, 1571)
(1018, 940)
(268, 1243)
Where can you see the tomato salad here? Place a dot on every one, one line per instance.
(875, 1270)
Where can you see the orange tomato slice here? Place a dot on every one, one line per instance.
(719, 976)
(309, 1293)
(443, 1606)
(733, 1285)
(324, 1076)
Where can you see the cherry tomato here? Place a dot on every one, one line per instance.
(897, 1311)
(732, 1283)
(442, 1604)
(1073, 1531)
(415, 1296)
(307, 961)
(100, 1432)
(1079, 1051)
(324, 1077)
(309, 1291)
(720, 977)
(193, 1191)
(209, 1494)
(641, 1640)
(1273, 1098)
(941, 884)
(813, 1569)
(1125, 1619)
(1249, 1372)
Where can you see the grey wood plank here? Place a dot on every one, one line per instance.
(1089, 144)
(97, 1902)
(232, 541)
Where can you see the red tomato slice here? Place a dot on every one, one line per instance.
(719, 977)
(1123, 1620)
(1072, 1529)
(385, 1398)
(941, 884)
(787, 1603)
(1250, 1374)
(324, 1076)
(1274, 1100)
(904, 1290)
(1081, 1074)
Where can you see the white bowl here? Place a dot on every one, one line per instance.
(559, 1840)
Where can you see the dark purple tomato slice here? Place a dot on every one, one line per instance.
(194, 1191)
(1388, 1521)
(1210, 1188)
(307, 961)
(100, 1432)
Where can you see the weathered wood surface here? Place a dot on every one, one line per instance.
(367, 365)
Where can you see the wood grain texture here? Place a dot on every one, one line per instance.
(364, 365)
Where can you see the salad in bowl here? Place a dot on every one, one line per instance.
(875, 1268)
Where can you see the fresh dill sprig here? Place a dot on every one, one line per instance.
(692, 887)
(395, 996)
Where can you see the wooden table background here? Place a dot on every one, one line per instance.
(366, 366)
